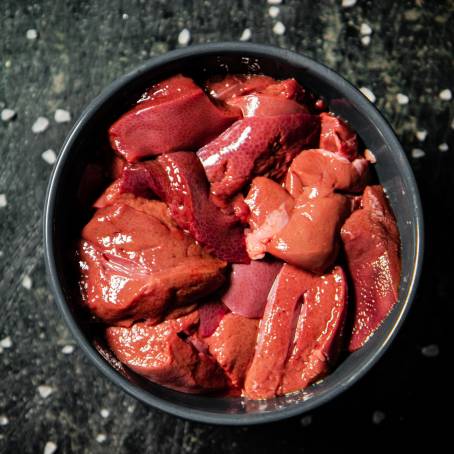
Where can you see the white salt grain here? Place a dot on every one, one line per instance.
(49, 156)
(365, 40)
(443, 147)
(7, 114)
(105, 413)
(6, 342)
(367, 92)
(101, 438)
(417, 153)
(184, 37)
(45, 391)
(274, 2)
(4, 420)
(274, 11)
(50, 448)
(445, 95)
(27, 282)
(40, 125)
(125, 16)
(378, 417)
(421, 135)
(348, 3)
(3, 201)
(430, 351)
(31, 34)
(67, 349)
(62, 116)
(402, 99)
(279, 28)
(246, 35)
(365, 29)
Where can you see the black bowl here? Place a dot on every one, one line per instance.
(64, 215)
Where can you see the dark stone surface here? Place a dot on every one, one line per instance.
(82, 46)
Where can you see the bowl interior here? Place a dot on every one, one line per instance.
(67, 202)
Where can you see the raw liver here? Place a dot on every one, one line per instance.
(270, 207)
(232, 346)
(327, 172)
(310, 239)
(372, 248)
(234, 85)
(336, 136)
(161, 354)
(256, 146)
(137, 264)
(249, 287)
(175, 114)
(319, 332)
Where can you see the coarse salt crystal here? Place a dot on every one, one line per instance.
(31, 34)
(417, 153)
(246, 35)
(4, 420)
(445, 95)
(365, 40)
(443, 147)
(184, 37)
(45, 391)
(62, 116)
(378, 417)
(430, 351)
(27, 282)
(101, 438)
(365, 29)
(3, 201)
(348, 3)
(274, 11)
(402, 99)
(279, 28)
(49, 156)
(50, 448)
(367, 92)
(40, 125)
(105, 413)
(421, 135)
(274, 2)
(6, 342)
(67, 349)
(125, 16)
(7, 114)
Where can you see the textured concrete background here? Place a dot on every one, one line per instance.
(50, 396)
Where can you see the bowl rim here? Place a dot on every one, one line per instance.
(351, 93)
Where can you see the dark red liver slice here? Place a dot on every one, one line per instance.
(174, 115)
(372, 248)
(179, 180)
(249, 287)
(256, 146)
(262, 105)
(232, 345)
(232, 86)
(310, 239)
(319, 332)
(161, 354)
(337, 136)
(137, 264)
(276, 332)
(327, 172)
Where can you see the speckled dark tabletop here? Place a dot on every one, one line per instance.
(59, 55)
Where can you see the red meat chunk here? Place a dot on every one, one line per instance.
(161, 354)
(232, 86)
(327, 172)
(372, 248)
(336, 136)
(255, 146)
(174, 114)
(137, 264)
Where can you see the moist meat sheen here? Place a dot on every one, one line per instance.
(240, 245)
